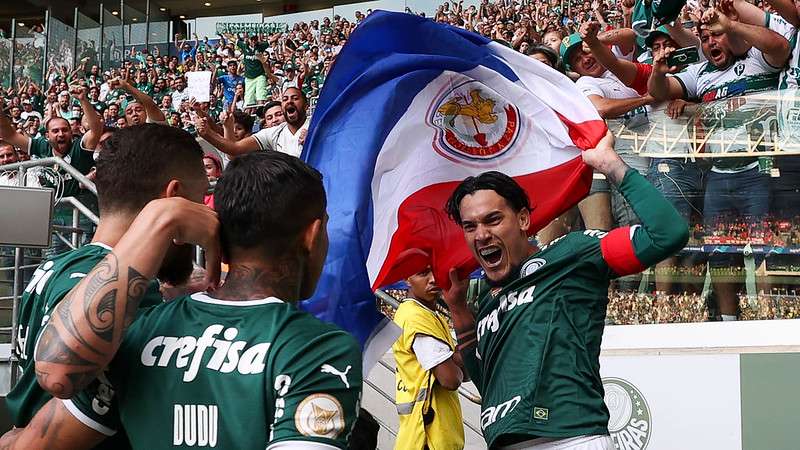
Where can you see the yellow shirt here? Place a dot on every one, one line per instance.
(418, 395)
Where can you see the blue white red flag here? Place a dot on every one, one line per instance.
(410, 109)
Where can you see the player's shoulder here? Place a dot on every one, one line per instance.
(577, 239)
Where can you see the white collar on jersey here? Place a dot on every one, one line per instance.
(205, 298)
(101, 245)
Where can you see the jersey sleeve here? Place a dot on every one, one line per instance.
(643, 72)
(688, 79)
(588, 88)
(265, 138)
(316, 387)
(662, 233)
(38, 147)
(96, 407)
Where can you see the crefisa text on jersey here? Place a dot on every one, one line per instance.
(229, 355)
(507, 302)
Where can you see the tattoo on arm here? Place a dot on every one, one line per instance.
(87, 329)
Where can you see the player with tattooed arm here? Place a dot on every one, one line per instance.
(533, 349)
(240, 367)
(131, 171)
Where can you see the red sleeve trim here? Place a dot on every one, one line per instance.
(643, 72)
(617, 250)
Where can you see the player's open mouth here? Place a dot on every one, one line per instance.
(491, 255)
(716, 53)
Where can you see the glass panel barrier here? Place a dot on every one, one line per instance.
(29, 44)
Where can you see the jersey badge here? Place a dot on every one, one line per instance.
(327, 368)
(531, 266)
(739, 69)
(540, 413)
(320, 415)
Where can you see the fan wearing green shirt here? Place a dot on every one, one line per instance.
(59, 141)
(255, 81)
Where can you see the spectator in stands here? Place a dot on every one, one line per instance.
(287, 137)
(255, 80)
(429, 371)
(736, 186)
(229, 82)
(59, 141)
(273, 114)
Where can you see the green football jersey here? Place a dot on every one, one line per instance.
(51, 281)
(202, 372)
(536, 364)
(77, 157)
(252, 66)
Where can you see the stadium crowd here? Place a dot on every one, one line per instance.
(264, 88)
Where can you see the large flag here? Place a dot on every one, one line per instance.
(411, 108)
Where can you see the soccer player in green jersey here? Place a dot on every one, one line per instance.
(131, 171)
(237, 368)
(533, 349)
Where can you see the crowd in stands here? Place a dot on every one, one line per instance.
(264, 88)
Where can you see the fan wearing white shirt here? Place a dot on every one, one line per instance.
(287, 137)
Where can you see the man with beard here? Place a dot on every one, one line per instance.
(533, 349)
(288, 137)
(253, 371)
(60, 141)
(130, 173)
(428, 371)
(736, 188)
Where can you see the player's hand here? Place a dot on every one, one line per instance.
(192, 223)
(456, 295)
(605, 159)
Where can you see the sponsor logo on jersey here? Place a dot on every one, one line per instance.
(509, 301)
(101, 402)
(327, 368)
(188, 351)
(195, 425)
(492, 414)
(531, 266)
(281, 386)
(40, 278)
(319, 415)
(599, 234)
(630, 423)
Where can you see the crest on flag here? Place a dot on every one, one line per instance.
(473, 122)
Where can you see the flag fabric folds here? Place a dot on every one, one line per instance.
(412, 107)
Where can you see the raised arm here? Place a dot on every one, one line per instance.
(227, 146)
(660, 86)
(91, 119)
(9, 133)
(682, 36)
(624, 70)
(624, 38)
(87, 327)
(153, 112)
(771, 44)
(663, 231)
(464, 325)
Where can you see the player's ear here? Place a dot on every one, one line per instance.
(173, 189)
(524, 217)
(311, 235)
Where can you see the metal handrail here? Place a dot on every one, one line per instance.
(80, 207)
(394, 304)
(75, 173)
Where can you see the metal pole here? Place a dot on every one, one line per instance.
(76, 218)
(102, 47)
(44, 52)
(147, 25)
(14, 311)
(13, 36)
(75, 30)
(122, 24)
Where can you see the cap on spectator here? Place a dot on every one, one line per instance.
(660, 31)
(289, 66)
(568, 44)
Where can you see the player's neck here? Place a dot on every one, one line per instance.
(111, 228)
(257, 280)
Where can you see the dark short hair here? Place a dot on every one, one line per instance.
(265, 200)
(137, 162)
(548, 53)
(244, 119)
(502, 184)
(271, 104)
